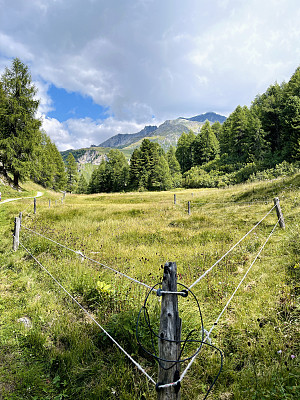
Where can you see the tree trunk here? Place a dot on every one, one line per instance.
(16, 179)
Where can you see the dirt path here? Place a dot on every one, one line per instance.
(39, 194)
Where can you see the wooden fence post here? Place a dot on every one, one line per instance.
(174, 198)
(49, 203)
(279, 213)
(189, 207)
(20, 216)
(170, 328)
(16, 237)
(34, 205)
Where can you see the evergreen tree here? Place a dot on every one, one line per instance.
(98, 182)
(117, 171)
(146, 166)
(19, 134)
(205, 146)
(82, 187)
(60, 177)
(217, 129)
(72, 173)
(174, 168)
(161, 178)
(291, 129)
(268, 108)
(184, 151)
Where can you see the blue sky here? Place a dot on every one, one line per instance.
(68, 105)
(107, 67)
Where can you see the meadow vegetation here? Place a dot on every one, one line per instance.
(50, 349)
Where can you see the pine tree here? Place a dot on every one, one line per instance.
(72, 173)
(205, 146)
(19, 135)
(82, 187)
(291, 129)
(174, 168)
(117, 171)
(184, 151)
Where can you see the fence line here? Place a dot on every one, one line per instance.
(91, 317)
(220, 259)
(222, 312)
(90, 259)
(207, 337)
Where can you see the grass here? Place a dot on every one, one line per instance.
(64, 355)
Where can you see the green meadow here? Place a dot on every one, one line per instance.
(51, 349)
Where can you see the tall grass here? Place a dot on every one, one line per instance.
(63, 354)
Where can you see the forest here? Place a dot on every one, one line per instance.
(254, 143)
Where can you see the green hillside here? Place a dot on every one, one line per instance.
(50, 349)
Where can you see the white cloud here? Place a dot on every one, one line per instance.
(78, 133)
(143, 58)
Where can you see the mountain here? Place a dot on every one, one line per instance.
(210, 116)
(124, 139)
(166, 134)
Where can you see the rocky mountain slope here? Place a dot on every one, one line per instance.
(166, 134)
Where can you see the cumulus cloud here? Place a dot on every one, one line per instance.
(84, 132)
(143, 58)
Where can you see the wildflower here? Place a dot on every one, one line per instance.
(279, 351)
(293, 356)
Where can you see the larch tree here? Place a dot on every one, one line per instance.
(72, 173)
(19, 134)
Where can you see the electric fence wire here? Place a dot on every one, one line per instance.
(90, 259)
(222, 312)
(233, 247)
(202, 341)
(91, 317)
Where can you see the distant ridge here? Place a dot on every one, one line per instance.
(125, 139)
(209, 116)
(167, 133)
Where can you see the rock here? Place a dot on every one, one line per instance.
(26, 321)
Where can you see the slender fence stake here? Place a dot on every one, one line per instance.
(34, 206)
(16, 237)
(189, 207)
(49, 203)
(55, 202)
(279, 213)
(170, 328)
(174, 198)
(20, 216)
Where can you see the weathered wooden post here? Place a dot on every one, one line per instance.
(174, 198)
(64, 194)
(49, 203)
(169, 336)
(20, 216)
(34, 205)
(16, 237)
(279, 213)
(189, 207)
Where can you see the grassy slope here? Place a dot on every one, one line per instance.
(64, 355)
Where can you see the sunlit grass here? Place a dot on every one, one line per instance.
(65, 354)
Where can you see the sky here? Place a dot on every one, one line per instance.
(104, 67)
